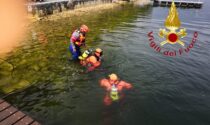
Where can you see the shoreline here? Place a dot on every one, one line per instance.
(81, 10)
(78, 11)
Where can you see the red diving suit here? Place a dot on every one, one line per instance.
(92, 61)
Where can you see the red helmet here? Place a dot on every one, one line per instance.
(84, 28)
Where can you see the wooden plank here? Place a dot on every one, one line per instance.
(25, 121)
(4, 105)
(7, 112)
(35, 123)
(13, 118)
(9, 115)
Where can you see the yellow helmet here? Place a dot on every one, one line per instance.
(113, 77)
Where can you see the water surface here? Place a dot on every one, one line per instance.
(167, 90)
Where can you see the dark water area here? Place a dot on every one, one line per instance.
(167, 90)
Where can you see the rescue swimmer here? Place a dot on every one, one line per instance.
(90, 59)
(114, 87)
(77, 40)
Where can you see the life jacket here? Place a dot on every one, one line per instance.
(80, 40)
(114, 94)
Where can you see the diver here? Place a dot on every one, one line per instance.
(94, 60)
(114, 87)
(77, 40)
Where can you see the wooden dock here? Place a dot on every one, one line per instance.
(178, 3)
(10, 115)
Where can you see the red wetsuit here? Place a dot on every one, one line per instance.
(92, 62)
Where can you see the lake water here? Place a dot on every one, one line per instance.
(167, 90)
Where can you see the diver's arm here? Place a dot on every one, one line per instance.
(126, 85)
(83, 41)
(105, 83)
(84, 44)
(73, 39)
(73, 46)
(102, 82)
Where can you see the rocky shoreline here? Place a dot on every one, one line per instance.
(87, 8)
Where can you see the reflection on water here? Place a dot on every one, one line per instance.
(166, 90)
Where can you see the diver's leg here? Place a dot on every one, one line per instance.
(73, 53)
(107, 100)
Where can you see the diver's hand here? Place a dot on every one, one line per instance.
(108, 89)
